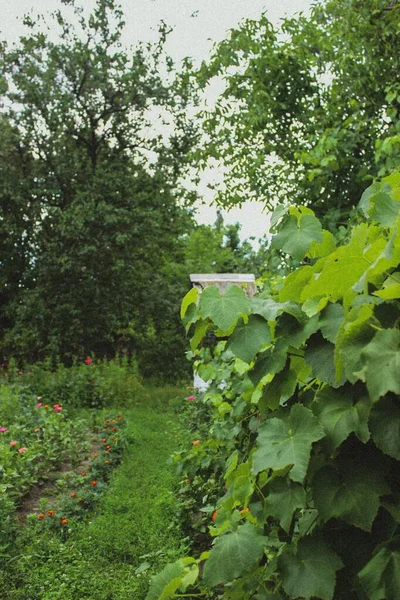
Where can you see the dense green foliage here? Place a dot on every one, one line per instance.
(301, 458)
(89, 189)
(310, 107)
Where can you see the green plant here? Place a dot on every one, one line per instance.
(305, 401)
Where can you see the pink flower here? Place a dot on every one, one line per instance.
(3, 429)
(88, 360)
(191, 399)
(13, 443)
(39, 405)
(22, 450)
(57, 408)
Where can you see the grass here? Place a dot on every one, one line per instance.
(132, 535)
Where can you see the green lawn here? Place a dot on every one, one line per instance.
(132, 534)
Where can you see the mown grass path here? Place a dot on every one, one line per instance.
(132, 534)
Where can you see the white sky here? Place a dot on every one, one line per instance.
(197, 25)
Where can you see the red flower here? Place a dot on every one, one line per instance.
(214, 515)
(93, 483)
(88, 360)
(41, 516)
(64, 521)
(72, 494)
(51, 513)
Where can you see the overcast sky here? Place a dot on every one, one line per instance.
(197, 25)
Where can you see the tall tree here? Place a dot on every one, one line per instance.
(103, 182)
(310, 110)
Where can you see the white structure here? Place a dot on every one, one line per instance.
(222, 280)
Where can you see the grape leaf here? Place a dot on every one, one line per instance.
(248, 338)
(284, 442)
(341, 414)
(351, 494)
(330, 321)
(295, 237)
(352, 338)
(380, 578)
(283, 498)
(223, 309)
(164, 585)
(311, 572)
(382, 363)
(270, 362)
(335, 274)
(190, 298)
(294, 333)
(385, 426)
(279, 390)
(383, 209)
(234, 554)
(270, 309)
(319, 355)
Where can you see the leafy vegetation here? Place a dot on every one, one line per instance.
(302, 450)
(310, 108)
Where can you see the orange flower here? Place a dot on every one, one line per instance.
(51, 513)
(72, 494)
(93, 483)
(108, 447)
(95, 455)
(214, 515)
(64, 521)
(244, 510)
(103, 440)
(113, 429)
(83, 474)
(196, 442)
(41, 516)
(46, 406)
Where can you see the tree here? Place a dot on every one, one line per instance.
(99, 211)
(310, 110)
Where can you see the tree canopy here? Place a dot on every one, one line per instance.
(90, 199)
(310, 109)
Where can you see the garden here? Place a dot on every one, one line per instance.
(281, 479)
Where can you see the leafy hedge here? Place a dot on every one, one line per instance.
(304, 391)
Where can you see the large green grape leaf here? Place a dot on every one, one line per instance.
(382, 363)
(391, 288)
(270, 362)
(319, 355)
(383, 209)
(234, 554)
(385, 426)
(352, 338)
(223, 310)
(190, 298)
(311, 572)
(351, 493)
(318, 249)
(380, 578)
(341, 413)
(293, 332)
(279, 390)
(284, 497)
(296, 236)
(248, 338)
(270, 309)
(335, 274)
(330, 321)
(164, 585)
(294, 284)
(284, 442)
